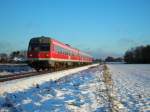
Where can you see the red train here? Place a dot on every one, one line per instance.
(47, 53)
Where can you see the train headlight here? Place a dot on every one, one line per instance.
(47, 55)
(30, 55)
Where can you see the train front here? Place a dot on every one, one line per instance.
(39, 53)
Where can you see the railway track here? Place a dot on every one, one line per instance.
(22, 75)
(29, 74)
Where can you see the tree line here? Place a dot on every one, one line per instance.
(140, 54)
(113, 59)
(14, 56)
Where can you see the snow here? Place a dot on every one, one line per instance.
(8, 69)
(132, 85)
(25, 83)
(81, 90)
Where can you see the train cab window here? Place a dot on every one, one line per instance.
(44, 47)
(39, 47)
(34, 47)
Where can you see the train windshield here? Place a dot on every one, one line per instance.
(36, 47)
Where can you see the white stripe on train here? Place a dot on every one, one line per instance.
(55, 59)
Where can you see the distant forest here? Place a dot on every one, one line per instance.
(140, 54)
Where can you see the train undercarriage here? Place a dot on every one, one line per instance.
(43, 65)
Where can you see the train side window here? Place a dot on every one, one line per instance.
(65, 51)
(56, 49)
(52, 47)
(60, 50)
(74, 54)
(71, 53)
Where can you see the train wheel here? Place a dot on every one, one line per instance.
(37, 69)
(43, 69)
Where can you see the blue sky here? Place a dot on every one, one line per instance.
(100, 27)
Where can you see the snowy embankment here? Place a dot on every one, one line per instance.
(25, 83)
(83, 91)
(132, 85)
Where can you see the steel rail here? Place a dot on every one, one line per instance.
(28, 74)
(22, 75)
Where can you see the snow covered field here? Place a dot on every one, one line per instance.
(79, 90)
(83, 91)
(132, 85)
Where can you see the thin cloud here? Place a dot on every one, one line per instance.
(6, 47)
(100, 53)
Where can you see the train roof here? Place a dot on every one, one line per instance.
(72, 48)
(44, 39)
(41, 39)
